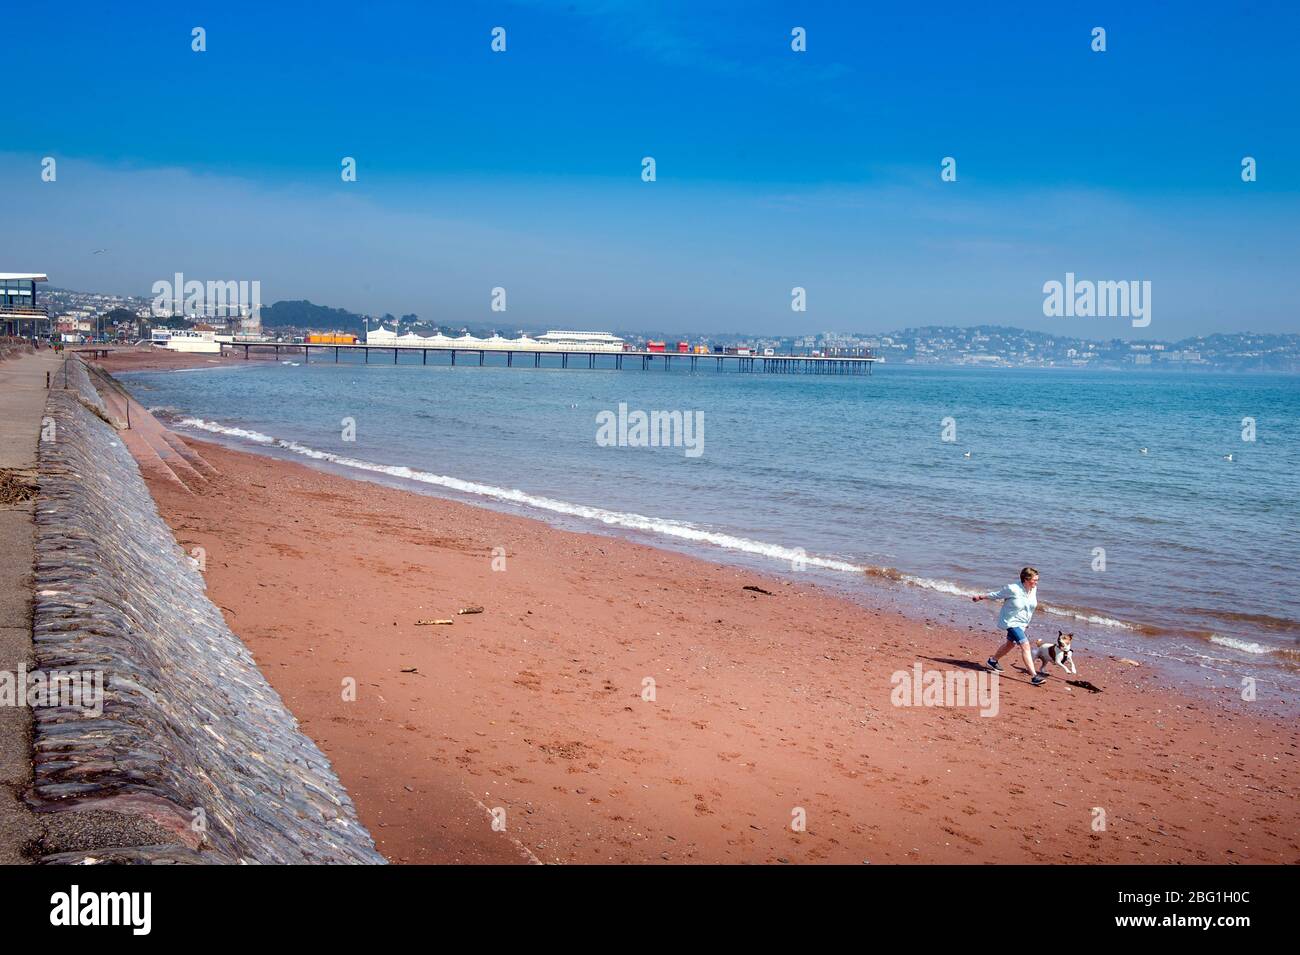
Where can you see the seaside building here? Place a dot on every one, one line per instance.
(20, 314)
(202, 339)
(587, 341)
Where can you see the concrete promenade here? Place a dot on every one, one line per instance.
(22, 406)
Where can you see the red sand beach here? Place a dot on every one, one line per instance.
(148, 358)
(764, 704)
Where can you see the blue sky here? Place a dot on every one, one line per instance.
(775, 168)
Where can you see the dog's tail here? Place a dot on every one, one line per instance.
(1038, 643)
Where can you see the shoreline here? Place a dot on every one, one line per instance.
(1196, 648)
(1181, 656)
(139, 358)
(764, 703)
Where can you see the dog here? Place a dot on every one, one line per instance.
(1059, 653)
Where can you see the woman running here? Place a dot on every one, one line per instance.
(1018, 603)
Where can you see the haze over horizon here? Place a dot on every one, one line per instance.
(775, 169)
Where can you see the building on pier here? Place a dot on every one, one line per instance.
(552, 341)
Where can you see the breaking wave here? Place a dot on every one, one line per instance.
(1244, 646)
(640, 522)
(680, 530)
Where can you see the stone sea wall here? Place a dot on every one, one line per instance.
(192, 741)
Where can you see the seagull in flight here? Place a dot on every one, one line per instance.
(99, 252)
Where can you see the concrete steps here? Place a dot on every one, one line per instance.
(172, 459)
(158, 451)
(192, 457)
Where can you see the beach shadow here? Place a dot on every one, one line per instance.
(1012, 672)
(960, 664)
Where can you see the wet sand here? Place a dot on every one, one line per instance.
(157, 359)
(764, 705)
(141, 358)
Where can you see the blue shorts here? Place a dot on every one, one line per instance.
(1016, 635)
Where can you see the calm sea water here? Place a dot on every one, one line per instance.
(1177, 553)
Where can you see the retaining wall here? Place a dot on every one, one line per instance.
(192, 738)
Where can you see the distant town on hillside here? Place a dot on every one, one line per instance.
(90, 315)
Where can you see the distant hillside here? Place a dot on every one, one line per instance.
(304, 314)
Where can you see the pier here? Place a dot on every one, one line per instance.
(610, 360)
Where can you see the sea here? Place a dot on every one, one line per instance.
(1160, 508)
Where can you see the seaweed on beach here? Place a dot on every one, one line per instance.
(15, 487)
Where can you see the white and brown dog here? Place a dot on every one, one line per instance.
(1059, 653)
